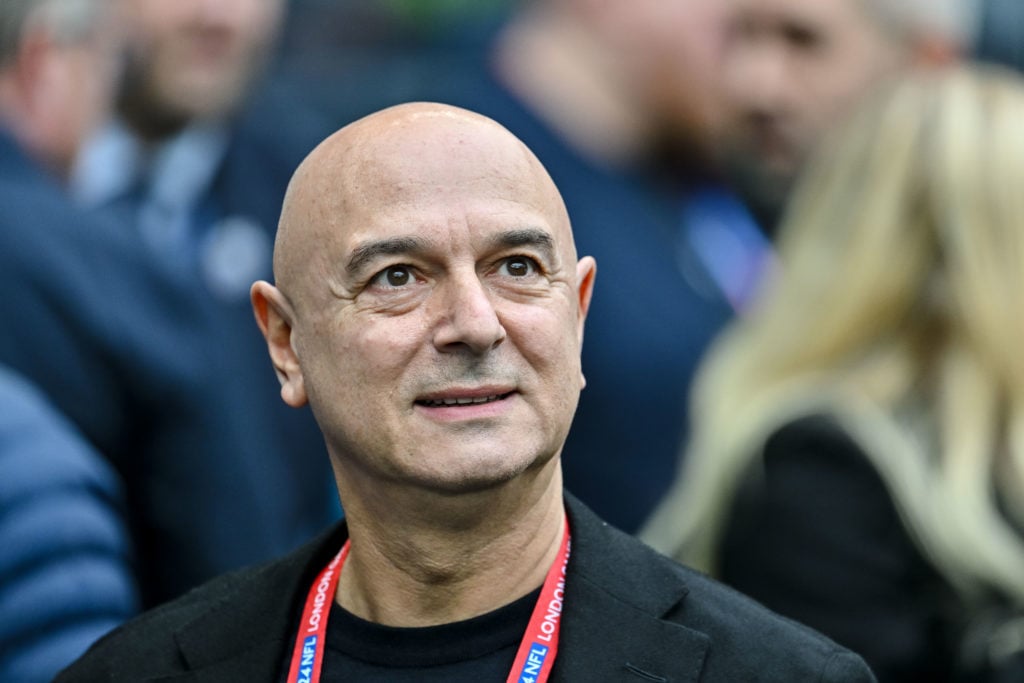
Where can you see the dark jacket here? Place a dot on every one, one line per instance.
(630, 615)
(162, 381)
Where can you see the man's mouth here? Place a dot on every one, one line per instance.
(461, 401)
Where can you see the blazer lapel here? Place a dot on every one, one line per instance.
(246, 636)
(608, 640)
(616, 597)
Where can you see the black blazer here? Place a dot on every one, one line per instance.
(630, 615)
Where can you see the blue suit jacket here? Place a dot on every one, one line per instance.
(146, 368)
(65, 569)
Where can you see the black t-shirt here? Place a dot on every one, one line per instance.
(476, 650)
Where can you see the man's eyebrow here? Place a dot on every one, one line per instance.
(368, 251)
(527, 237)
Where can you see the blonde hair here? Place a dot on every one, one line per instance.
(898, 310)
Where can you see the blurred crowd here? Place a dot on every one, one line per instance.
(801, 357)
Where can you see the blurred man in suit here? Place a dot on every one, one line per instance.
(794, 68)
(195, 164)
(65, 574)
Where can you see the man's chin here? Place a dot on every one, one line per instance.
(479, 476)
(470, 483)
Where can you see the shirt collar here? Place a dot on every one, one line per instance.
(176, 172)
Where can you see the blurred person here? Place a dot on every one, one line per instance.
(66, 576)
(187, 160)
(619, 99)
(429, 304)
(192, 61)
(790, 71)
(196, 161)
(793, 69)
(65, 571)
(856, 460)
(644, 73)
(128, 350)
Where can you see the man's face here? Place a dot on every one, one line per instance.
(438, 316)
(667, 55)
(792, 69)
(195, 58)
(673, 50)
(78, 91)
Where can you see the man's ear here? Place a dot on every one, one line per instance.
(274, 316)
(586, 270)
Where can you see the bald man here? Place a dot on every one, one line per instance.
(429, 306)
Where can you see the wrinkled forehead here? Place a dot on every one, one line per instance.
(447, 152)
(432, 160)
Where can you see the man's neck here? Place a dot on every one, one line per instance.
(452, 558)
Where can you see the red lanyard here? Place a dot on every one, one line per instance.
(308, 655)
(534, 659)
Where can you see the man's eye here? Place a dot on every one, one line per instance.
(519, 266)
(805, 38)
(394, 276)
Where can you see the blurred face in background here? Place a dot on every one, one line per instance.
(77, 75)
(671, 54)
(792, 68)
(193, 59)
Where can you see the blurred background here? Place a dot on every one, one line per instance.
(675, 129)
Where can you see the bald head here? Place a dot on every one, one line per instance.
(429, 305)
(424, 153)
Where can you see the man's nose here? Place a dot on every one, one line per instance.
(467, 317)
(756, 77)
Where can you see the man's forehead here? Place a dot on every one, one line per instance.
(413, 143)
(434, 158)
(404, 124)
(476, 216)
(442, 145)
